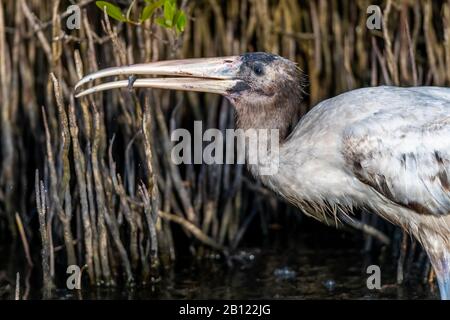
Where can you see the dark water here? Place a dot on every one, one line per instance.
(274, 272)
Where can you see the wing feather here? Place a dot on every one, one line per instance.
(405, 157)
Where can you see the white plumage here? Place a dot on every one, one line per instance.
(383, 148)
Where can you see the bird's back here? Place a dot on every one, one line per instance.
(412, 103)
(389, 141)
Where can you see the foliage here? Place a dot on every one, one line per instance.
(172, 17)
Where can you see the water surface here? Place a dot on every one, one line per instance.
(294, 271)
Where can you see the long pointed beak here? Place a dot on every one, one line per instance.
(215, 75)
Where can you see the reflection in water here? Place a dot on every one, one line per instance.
(278, 272)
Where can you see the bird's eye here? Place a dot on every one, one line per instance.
(258, 69)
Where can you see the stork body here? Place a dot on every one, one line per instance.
(385, 148)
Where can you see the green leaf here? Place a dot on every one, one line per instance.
(180, 21)
(169, 12)
(172, 2)
(162, 22)
(112, 10)
(147, 12)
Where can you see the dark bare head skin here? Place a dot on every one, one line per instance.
(270, 93)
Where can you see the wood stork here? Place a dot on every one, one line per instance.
(385, 148)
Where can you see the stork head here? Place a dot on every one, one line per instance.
(266, 89)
